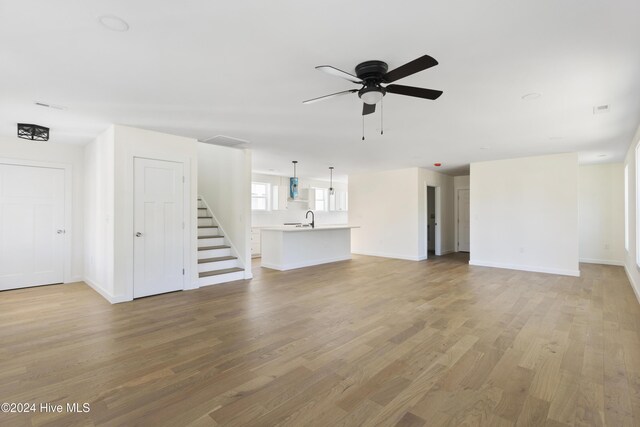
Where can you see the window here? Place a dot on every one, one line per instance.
(259, 196)
(626, 208)
(322, 202)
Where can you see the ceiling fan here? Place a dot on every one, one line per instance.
(372, 75)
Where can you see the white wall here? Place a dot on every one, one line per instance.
(459, 183)
(444, 212)
(524, 214)
(386, 207)
(630, 264)
(109, 193)
(296, 211)
(391, 208)
(68, 154)
(601, 211)
(224, 181)
(99, 213)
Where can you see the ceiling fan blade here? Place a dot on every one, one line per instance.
(368, 108)
(418, 92)
(322, 98)
(338, 73)
(409, 68)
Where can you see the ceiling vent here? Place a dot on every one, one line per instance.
(55, 107)
(601, 109)
(226, 141)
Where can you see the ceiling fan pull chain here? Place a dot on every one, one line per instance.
(382, 116)
(363, 128)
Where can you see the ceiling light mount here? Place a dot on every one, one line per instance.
(33, 132)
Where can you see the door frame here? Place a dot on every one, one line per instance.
(456, 216)
(124, 229)
(457, 219)
(438, 228)
(185, 229)
(68, 207)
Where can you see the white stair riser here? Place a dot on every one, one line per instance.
(213, 241)
(218, 265)
(208, 231)
(205, 221)
(221, 278)
(213, 253)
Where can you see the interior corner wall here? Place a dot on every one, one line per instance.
(524, 214)
(68, 154)
(224, 181)
(99, 214)
(459, 183)
(601, 212)
(630, 263)
(445, 219)
(385, 205)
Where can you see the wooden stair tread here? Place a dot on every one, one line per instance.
(204, 217)
(207, 248)
(216, 259)
(218, 272)
(207, 226)
(208, 237)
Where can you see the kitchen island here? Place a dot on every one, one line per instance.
(289, 247)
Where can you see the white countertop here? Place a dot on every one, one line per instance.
(317, 228)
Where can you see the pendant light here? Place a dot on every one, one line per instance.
(332, 190)
(293, 182)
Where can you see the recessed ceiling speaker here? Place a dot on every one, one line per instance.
(33, 132)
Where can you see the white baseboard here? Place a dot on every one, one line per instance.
(106, 295)
(634, 285)
(293, 266)
(389, 255)
(602, 261)
(74, 279)
(449, 251)
(535, 269)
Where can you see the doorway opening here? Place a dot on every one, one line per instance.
(433, 234)
(463, 226)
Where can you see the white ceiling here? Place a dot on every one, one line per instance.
(242, 68)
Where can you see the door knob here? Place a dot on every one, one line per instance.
(138, 234)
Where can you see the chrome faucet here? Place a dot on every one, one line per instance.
(313, 218)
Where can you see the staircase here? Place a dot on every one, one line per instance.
(216, 261)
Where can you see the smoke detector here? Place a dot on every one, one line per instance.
(225, 141)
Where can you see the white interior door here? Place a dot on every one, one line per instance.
(463, 220)
(158, 227)
(32, 230)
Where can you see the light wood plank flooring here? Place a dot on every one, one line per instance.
(370, 341)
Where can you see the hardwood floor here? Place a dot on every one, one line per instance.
(370, 341)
